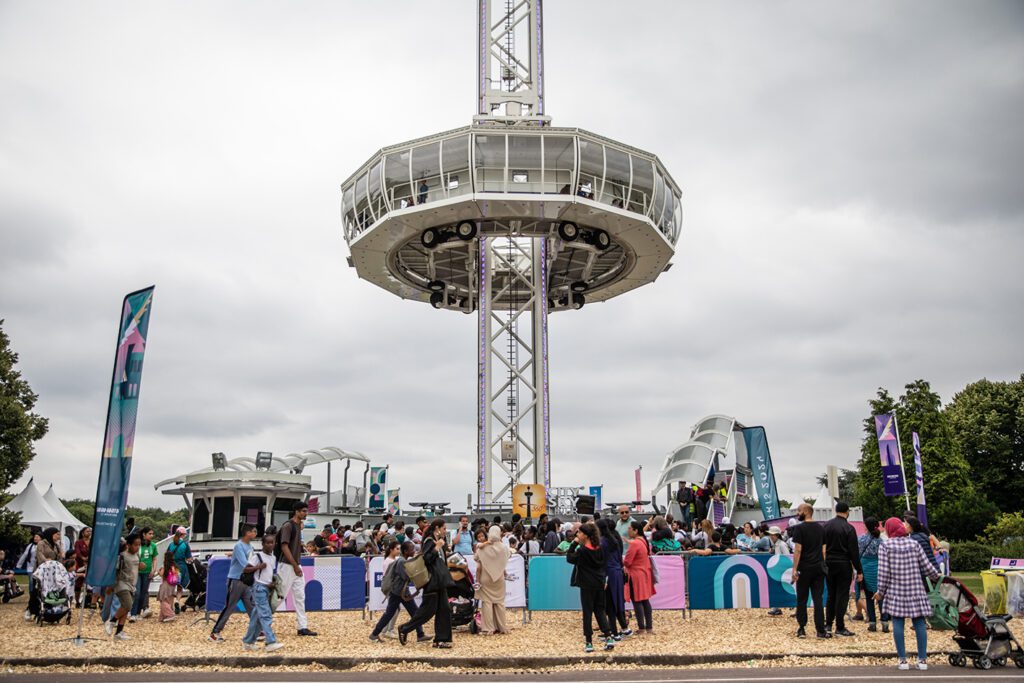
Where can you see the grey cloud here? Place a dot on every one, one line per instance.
(852, 220)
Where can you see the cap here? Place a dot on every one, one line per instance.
(180, 530)
(332, 537)
(725, 520)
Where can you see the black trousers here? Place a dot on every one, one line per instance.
(643, 614)
(838, 584)
(811, 579)
(434, 606)
(615, 618)
(592, 600)
(236, 591)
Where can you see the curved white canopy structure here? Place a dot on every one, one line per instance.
(292, 462)
(692, 461)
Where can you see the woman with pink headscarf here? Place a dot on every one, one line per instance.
(901, 563)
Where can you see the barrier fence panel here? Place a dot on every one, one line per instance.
(332, 583)
(741, 581)
(515, 582)
(549, 589)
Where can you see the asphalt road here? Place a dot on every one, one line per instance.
(940, 672)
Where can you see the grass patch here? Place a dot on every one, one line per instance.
(973, 582)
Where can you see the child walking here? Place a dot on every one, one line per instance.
(124, 588)
(262, 617)
(590, 576)
(169, 583)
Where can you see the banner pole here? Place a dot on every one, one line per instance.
(896, 427)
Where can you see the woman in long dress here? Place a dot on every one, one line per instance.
(492, 559)
(640, 583)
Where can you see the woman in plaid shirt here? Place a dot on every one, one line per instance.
(901, 563)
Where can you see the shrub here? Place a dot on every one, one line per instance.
(1008, 527)
(969, 556)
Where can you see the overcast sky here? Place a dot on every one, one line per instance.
(853, 214)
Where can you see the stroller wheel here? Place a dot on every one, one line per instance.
(983, 662)
(6, 599)
(961, 660)
(953, 660)
(999, 661)
(473, 628)
(1019, 661)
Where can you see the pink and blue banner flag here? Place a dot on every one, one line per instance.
(119, 438)
(922, 513)
(892, 460)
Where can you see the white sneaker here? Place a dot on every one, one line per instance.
(248, 647)
(903, 665)
(122, 636)
(28, 616)
(109, 628)
(922, 665)
(146, 613)
(132, 619)
(270, 647)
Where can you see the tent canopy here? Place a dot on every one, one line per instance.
(825, 505)
(36, 511)
(66, 518)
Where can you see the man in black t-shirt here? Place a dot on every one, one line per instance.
(842, 561)
(809, 570)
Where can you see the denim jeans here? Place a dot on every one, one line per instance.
(395, 602)
(261, 616)
(108, 605)
(141, 594)
(920, 631)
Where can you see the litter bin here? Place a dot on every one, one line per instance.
(994, 583)
(1015, 593)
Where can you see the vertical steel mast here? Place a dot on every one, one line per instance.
(513, 436)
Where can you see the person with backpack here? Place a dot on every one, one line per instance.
(124, 588)
(288, 552)
(261, 619)
(182, 553)
(395, 585)
(240, 582)
(435, 592)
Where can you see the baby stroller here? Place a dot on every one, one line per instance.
(986, 639)
(54, 591)
(196, 586)
(461, 595)
(11, 589)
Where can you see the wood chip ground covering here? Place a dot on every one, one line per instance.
(548, 634)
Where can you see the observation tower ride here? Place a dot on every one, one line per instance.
(513, 218)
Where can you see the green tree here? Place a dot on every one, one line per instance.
(19, 426)
(987, 420)
(954, 503)
(156, 518)
(847, 483)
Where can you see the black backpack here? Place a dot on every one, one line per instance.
(277, 540)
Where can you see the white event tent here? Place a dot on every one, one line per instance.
(36, 510)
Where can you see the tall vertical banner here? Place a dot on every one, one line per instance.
(892, 460)
(119, 437)
(394, 506)
(755, 440)
(378, 487)
(638, 482)
(595, 491)
(922, 514)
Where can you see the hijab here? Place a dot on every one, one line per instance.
(494, 556)
(894, 528)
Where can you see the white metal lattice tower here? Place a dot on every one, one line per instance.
(514, 219)
(510, 86)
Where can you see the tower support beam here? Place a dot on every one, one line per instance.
(513, 436)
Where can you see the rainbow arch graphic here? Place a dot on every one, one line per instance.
(741, 584)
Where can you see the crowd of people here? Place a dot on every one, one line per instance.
(426, 572)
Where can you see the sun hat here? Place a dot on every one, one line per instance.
(775, 530)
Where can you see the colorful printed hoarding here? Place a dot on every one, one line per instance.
(378, 488)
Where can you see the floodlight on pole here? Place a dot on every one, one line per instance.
(264, 459)
(220, 461)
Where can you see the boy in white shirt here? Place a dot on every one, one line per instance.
(262, 617)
